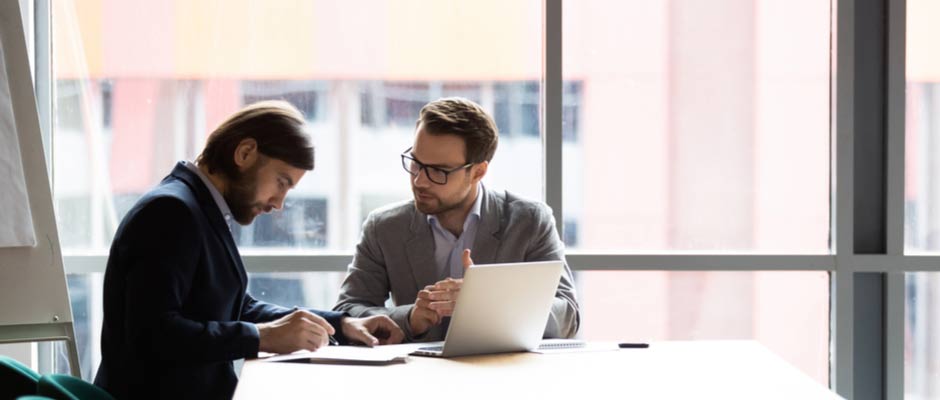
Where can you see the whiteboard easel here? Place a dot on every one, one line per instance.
(34, 299)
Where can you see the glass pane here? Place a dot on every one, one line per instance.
(87, 313)
(697, 126)
(132, 98)
(922, 336)
(922, 125)
(643, 306)
(318, 290)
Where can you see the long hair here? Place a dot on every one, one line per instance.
(277, 127)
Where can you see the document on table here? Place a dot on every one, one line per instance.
(351, 355)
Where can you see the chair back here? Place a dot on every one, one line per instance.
(16, 379)
(67, 387)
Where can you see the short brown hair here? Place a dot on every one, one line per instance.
(277, 126)
(464, 118)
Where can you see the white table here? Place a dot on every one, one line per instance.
(666, 370)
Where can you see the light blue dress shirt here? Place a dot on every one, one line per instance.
(448, 249)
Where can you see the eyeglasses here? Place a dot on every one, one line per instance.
(434, 174)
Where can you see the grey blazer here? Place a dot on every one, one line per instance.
(395, 256)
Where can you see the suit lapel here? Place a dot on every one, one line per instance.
(488, 237)
(420, 250)
(216, 221)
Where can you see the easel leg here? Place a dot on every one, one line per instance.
(73, 352)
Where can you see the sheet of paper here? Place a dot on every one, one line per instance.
(350, 354)
(16, 221)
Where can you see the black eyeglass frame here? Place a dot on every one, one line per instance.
(406, 158)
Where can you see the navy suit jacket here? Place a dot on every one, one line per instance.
(176, 309)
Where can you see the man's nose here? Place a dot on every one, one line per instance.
(421, 179)
(277, 203)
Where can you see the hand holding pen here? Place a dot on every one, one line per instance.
(299, 330)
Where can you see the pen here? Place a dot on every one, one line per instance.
(633, 345)
(333, 341)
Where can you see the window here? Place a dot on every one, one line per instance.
(922, 298)
(307, 96)
(85, 296)
(403, 101)
(692, 117)
(517, 108)
(301, 224)
(136, 110)
(397, 104)
(922, 227)
(674, 139)
(643, 306)
(131, 101)
(682, 123)
(318, 290)
(922, 124)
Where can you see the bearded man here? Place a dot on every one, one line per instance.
(176, 307)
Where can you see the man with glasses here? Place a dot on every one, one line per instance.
(416, 251)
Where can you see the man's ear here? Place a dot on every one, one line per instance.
(246, 154)
(478, 171)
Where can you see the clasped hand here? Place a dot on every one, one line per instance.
(437, 301)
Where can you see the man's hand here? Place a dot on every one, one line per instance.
(371, 331)
(443, 295)
(299, 330)
(422, 317)
(437, 301)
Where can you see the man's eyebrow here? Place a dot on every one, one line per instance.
(438, 166)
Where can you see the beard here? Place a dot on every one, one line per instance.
(241, 194)
(435, 205)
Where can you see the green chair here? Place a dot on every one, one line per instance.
(67, 387)
(16, 379)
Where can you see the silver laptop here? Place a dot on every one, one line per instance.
(501, 308)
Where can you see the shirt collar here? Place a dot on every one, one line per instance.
(219, 200)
